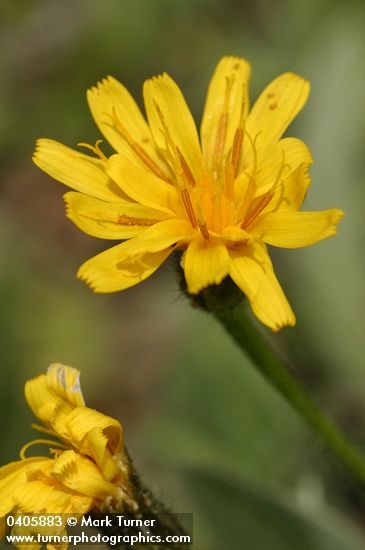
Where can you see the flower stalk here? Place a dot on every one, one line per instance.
(226, 305)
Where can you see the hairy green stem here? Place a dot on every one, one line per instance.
(227, 306)
(143, 506)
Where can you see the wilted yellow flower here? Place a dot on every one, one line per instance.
(87, 469)
(221, 199)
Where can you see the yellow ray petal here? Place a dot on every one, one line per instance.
(64, 381)
(46, 393)
(205, 263)
(106, 220)
(290, 151)
(162, 93)
(51, 497)
(109, 95)
(14, 475)
(38, 470)
(95, 444)
(41, 399)
(115, 269)
(297, 229)
(291, 193)
(288, 193)
(233, 234)
(79, 422)
(274, 110)
(82, 476)
(238, 70)
(141, 185)
(81, 172)
(158, 237)
(252, 270)
(106, 273)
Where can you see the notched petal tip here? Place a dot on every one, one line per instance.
(159, 79)
(306, 87)
(275, 323)
(67, 197)
(337, 216)
(289, 322)
(40, 147)
(100, 84)
(83, 274)
(235, 59)
(298, 84)
(289, 229)
(289, 75)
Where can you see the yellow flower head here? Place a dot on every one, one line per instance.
(221, 198)
(87, 469)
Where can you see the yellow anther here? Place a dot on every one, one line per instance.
(95, 149)
(251, 186)
(236, 149)
(246, 198)
(99, 151)
(165, 130)
(55, 452)
(136, 148)
(188, 206)
(220, 138)
(203, 228)
(181, 168)
(229, 178)
(185, 168)
(238, 136)
(257, 209)
(170, 147)
(44, 430)
(280, 171)
(254, 152)
(160, 115)
(228, 90)
(38, 442)
(126, 220)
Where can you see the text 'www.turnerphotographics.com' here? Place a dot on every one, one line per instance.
(115, 529)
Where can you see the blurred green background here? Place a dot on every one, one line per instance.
(206, 431)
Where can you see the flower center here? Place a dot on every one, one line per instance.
(210, 204)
